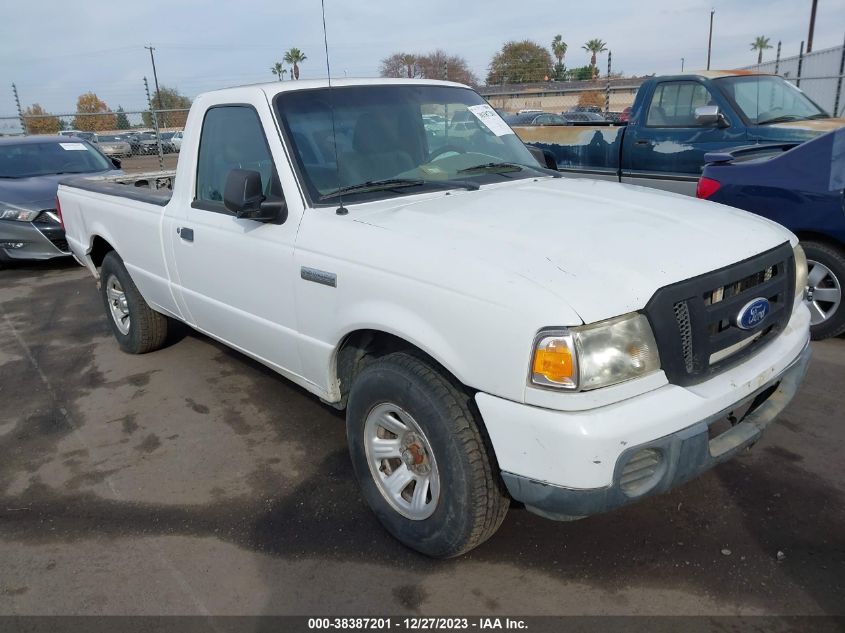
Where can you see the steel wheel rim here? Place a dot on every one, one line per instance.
(118, 308)
(824, 292)
(401, 461)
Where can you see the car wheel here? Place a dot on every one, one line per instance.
(421, 458)
(137, 327)
(825, 280)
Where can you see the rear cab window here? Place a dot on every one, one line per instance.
(232, 138)
(673, 104)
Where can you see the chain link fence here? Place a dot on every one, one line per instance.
(137, 138)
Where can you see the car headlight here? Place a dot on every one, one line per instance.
(596, 355)
(800, 271)
(10, 212)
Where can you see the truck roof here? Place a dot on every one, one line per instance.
(717, 74)
(273, 87)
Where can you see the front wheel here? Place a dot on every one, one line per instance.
(826, 275)
(137, 327)
(421, 459)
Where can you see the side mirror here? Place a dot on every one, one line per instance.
(710, 115)
(116, 162)
(244, 197)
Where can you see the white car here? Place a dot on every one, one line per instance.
(493, 331)
(176, 140)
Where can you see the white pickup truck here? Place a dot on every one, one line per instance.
(495, 332)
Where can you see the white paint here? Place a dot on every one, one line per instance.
(671, 147)
(74, 147)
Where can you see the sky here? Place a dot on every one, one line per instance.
(54, 50)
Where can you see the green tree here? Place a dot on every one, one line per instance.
(581, 73)
(278, 70)
(520, 62)
(559, 51)
(295, 57)
(42, 124)
(759, 44)
(594, 47)
(88, 117)
(168, 99)
(122, 121)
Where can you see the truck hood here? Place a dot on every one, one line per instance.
(603, 248)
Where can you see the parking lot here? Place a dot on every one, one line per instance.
(195, 481)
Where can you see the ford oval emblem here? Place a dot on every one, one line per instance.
(753, 313)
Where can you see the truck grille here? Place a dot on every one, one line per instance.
(694, 321)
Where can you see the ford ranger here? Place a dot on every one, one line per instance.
(493, 331)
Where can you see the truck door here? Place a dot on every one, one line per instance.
(665, 147)
(235, 276)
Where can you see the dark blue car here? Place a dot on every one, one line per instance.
(801, 186)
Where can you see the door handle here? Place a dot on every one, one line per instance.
(186, 233)
(643, 142)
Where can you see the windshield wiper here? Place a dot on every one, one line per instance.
(500, 168)
(504, 168)
(820, 115)
(398, 183)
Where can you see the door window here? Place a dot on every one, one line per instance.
(232, 138)
(673, 104)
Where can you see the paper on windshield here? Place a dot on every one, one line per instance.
(489, 117)
(75, 147)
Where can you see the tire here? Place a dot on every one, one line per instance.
(469, 502)
(145, 330)
(828, 317)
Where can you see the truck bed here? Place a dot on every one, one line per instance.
(153, 187)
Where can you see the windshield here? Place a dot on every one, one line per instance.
(109, 139)
(767, 99)
(26, 160)
(426, 136)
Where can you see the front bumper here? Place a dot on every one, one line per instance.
(682, 456)
(45, 242)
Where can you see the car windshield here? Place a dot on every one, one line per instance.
(108, 139)
(769, 99)
(428, 137)
(26, 160)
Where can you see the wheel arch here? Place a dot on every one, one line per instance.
(815, 236)
(359, 347)
(100, 247)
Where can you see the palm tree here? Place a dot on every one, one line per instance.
(410, 63)
(759, 44)
(559, 51)
(594, 46)
(295, 57)
(279, 70)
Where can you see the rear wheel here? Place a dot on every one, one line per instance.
(420, 457)
(825, 279)
(137, 327)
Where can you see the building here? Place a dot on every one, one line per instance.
(559, 96)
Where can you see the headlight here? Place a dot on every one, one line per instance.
(597, 355)
(8, 212)
(800, 271)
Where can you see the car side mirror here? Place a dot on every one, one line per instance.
(710, 115)
(116, 162)
(244, 197)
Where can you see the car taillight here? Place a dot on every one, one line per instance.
(59, 213)
(706, 188)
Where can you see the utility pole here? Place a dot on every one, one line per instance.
(155, 77)
(812, 26)
(682, 64)
(18, 104)
(710, 39)
(155, 125)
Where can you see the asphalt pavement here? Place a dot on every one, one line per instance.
(195, 481)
